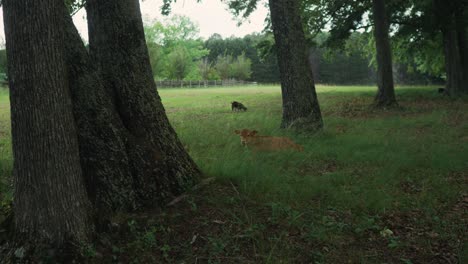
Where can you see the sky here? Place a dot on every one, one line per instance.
(211, 16)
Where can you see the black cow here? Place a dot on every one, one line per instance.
(238, 106)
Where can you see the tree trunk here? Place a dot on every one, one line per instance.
(462, 35)
(386, 93)
(453, 62)
(453, 28)
(300, 104)
(159, 164)
(50, 200)
(102, 136)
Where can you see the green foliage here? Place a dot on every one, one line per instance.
(241, 67)
(242, 8)
(418, 39)
(340, 16)
(207, 70)
(264, 69)
(223, 66)
(424, 56)
(415, 28)
(349, 65)
(178, 63)
(174, 48)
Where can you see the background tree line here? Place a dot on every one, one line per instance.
(178, 53)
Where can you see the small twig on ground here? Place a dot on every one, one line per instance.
(234, 187)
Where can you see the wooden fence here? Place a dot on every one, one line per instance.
(199, 84)
(184, 84)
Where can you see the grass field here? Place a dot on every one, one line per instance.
(374, 186)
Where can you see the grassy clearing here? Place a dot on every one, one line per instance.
(367, 173)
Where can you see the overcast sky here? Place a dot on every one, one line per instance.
(211, 16)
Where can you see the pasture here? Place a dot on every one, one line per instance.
(374, 186)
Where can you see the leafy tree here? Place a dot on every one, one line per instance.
(386, 93)
(241, 67)
(178, 63)
(264, 68)
(223, 66)
(174, 47)
(418, 32)
(345, 17)
(451, 18)
(300, 104)
(157, 58)
(206, 70)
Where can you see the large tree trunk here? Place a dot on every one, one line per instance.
(462, 35)
(453, 28)
(300, 104)
(50, 200)
(102, 136)
(386, 93)
(453, 63)
(159, 164)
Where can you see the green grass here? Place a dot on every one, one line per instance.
(357, 162)
(403, 169)
(6, 159)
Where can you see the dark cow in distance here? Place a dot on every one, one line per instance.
(238, 106)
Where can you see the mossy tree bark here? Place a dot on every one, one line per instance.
(50, 199)
(159, 164)
(386, 91)
(300, 104)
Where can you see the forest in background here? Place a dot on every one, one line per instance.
(177, 52)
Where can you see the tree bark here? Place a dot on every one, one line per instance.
(159, 164)
(386, 91)
(300, 104)
(102, 135)
(453, 62)
(453, 28)
(462, 35)
(50, 200)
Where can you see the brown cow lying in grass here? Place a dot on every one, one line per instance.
(250, 139)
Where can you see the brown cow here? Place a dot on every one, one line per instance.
(250, 139)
